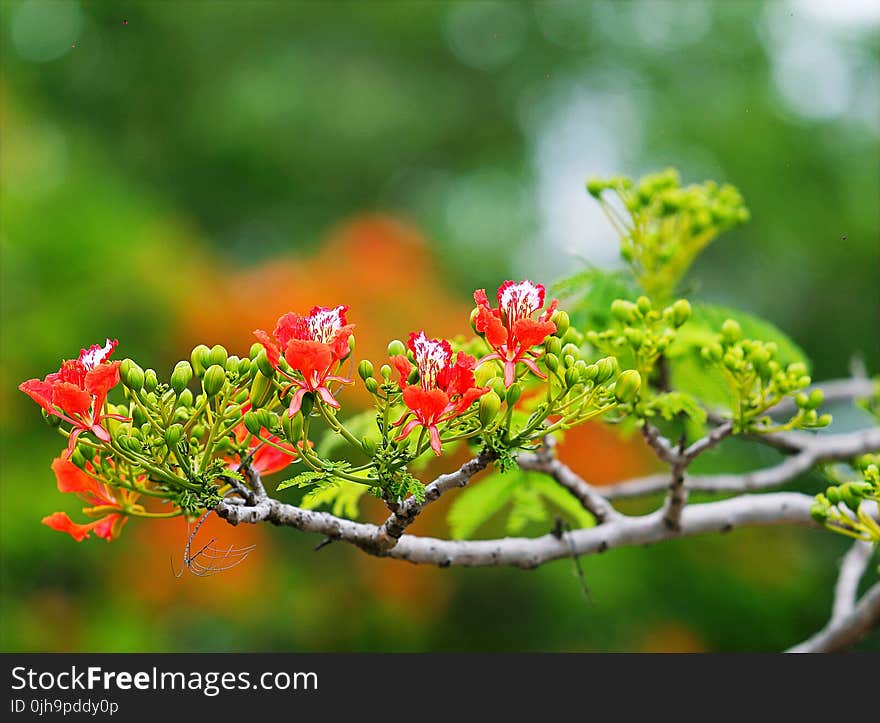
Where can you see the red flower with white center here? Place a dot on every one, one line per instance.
(101, 499)
(312, 345)
(445, 390)
(76, 393)
(510, 329)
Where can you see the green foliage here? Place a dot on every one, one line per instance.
(528, 497)
(342, 498)
(663, 225)
(588, 295)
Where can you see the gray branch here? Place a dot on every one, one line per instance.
(845, 631)
(852, 567)
(781, 508)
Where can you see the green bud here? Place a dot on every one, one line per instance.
(554, 345)
(372, 385)
(817, 396)
(627, 386)
(138, 417)
(644, 304)
(173, 435)
(681, 312)
(268, 419)
(264, 365)
(369, 446)
(185, 398)
(606, 367)
(802, 400)
(595, 186)
(200, 358)
(514, 393)
(261, 389)
(243, 368)
(591, 371)
(413, 377)
(560, 318)
(232, 363)
(551, 361)
(824, 420)
(833, 495)
(255, 350)
(252, 423)
(572, 377)
(571, 350)
(385, 371)
(623, 310)
(731, 331)
(181, 376)
(87, 451)
(218, 355)
(308, 403)
(490, 405)
(78, 459)
(131, 374)
(850, 494)
(53, 420)
(483, 374)
(365, 369)
(819, 513)
(292, 427)
(151, 381)
(396, 348)
(497, 385)
(199, 431)
(215, 378)
(635, 337)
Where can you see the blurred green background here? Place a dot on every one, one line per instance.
(181, 172)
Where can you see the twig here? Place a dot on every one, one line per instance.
(845, 631)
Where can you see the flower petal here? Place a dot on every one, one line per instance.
(71, 398)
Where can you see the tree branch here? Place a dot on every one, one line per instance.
(852, 567)
(845, 631)
(811, 449)
(781, 508)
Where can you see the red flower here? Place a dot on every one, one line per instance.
(510, 329)
(312, 345)
(266, 459)
(76, 393)
(103, 503)
(446, 388)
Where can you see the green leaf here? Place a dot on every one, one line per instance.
(671, 404)
(565, 502)
(527, 507)
(309, 478)
(478, 502)
(343, 498)
(360, 425)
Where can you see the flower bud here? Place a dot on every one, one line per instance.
(635, 337)
(595, 186)
(385, 371)
(232, 363)
(369, 446)
(590, 373)
(372, 385)
(365, 369)
(551, 361)
(396, 348)
(560, 318)
(570, 350)
(623, 310)
(483, 374)
(731, 331)
(53, 420)
(833, 495)
(292, 427)
(215, 378)
(173, 435)
(627, 386)
(514, 393)
(490, 404)
(131, 374)
(824, 420)
(181, 376)
(308, 403)
(571, 376)
(850, 494)
(268, 419)
(261, 389)
(819, 513)
(201, 359)
(138, 417)
(644, 304)
(681, 312)
(199, 431)
(87, 451)
(255, 350)
(554, 345)
(498, 387)
(817, 396)
(473, 320)
(264, 365)
(218, 355)
(185, 398)
(78, 459)
(151, 381)
(606, 369)
(243, 368)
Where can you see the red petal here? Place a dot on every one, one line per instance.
(340, 341)
(102, 379)
(403, 367)
(529, 333)
(309, 357)
(481, 298)
(273, 351)
(459, 377)
(427, 405)
(39, 391)
(71, 398)
(268, 460)
(61, 522)
(291, 326)
(468, 398)
(488, 323)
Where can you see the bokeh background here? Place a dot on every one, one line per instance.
(180, 172)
